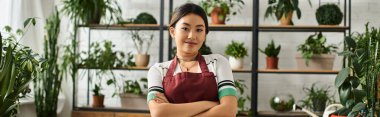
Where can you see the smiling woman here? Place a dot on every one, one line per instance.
(191, 84)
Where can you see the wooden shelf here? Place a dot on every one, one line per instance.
(120, 68)
(110, 109)
(302, 28)
(124, 27)
(297, 71)
(284, 114)
(213, 27)
(241, 71)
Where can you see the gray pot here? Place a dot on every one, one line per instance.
(317, 62)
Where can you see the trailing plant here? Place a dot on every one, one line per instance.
(357, 82)
(91, 11)
(329, 14)
(317, 98)
(18, 67)
(236, 50)
(242, 99)
(315, 45)
(281, 8)
(271, 50)
(225, 5)
(48, 84)
(141, 42)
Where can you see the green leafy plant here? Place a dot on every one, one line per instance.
(329, 14)
(271, 50)
(103, 59)
(317, 98)
(91, 11)
(134, 86)
(236, 50)
(142, 18)
(280, 8)
(145, 18)
(357, 82)
(141, 42)
(18, 67)
(242, 99)
(226, 5)
(315, 45)
(48, 84)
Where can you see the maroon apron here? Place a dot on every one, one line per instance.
(188, 87)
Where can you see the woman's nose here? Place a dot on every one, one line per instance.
(191, 35)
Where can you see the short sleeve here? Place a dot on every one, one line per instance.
(226, 86)
(154, 82)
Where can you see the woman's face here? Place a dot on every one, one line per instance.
(189, 34)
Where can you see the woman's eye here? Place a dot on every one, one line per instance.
(185, 29)
(199, 30)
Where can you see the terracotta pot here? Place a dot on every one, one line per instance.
(337, 116)
(218, 16)
(133, 101)
(97, 101)
(142, 60)
(317, 62)
(236, 63)
(284, 21)
(272, 62)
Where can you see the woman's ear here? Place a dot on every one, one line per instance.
(172, 31)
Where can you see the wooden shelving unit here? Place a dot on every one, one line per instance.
(296, 71)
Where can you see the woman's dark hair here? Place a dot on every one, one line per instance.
(185, 9)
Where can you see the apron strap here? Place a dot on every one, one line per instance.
(173, 65)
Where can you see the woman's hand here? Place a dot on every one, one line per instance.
(160, 98)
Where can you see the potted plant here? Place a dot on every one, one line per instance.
(91, 11)
(142, 18)
(47, 85)
(329, 14)
(272, 52)
(133, 96)
(220, 10)
(142, 44)
(315, 54)
(19, 66)
(317, 98)
(356, 82)
(104, 59)
(237, 52)
(283, 10)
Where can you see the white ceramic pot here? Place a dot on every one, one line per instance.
(236, 63)
(142, 60)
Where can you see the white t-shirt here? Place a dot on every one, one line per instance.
(215, 63)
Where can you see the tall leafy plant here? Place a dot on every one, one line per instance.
(48, 84)
(362, 70)
(91, 11)
(18, 66)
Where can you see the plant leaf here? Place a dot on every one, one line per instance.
(350, 42)
(359, 106)
(26, 22)
(341, 77)
(344, 92)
